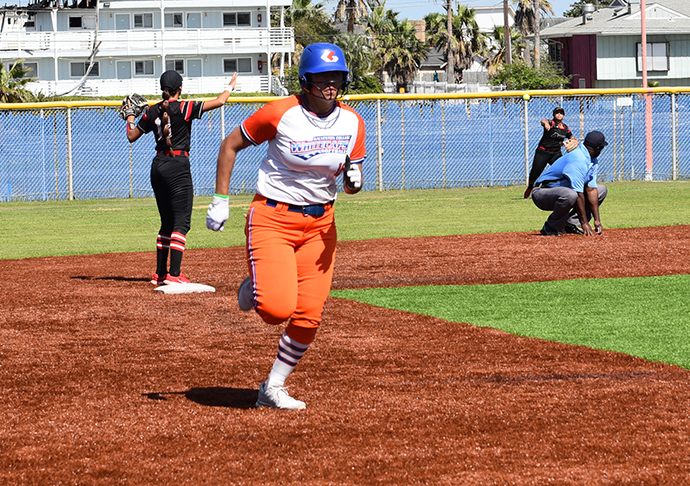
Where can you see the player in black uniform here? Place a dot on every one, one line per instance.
(171, 123)
(549, 149)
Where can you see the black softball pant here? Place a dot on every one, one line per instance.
(171, 179)
(541, 159)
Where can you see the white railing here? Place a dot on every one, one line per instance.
(43, 44)
(149, 86)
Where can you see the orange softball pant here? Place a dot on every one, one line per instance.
(291, 258)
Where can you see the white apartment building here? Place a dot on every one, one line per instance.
(116, 47)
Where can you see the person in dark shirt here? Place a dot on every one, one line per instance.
(170, 120)
(549, 149)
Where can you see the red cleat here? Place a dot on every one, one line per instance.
(172, 280)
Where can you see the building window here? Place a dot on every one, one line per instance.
(78, 69)
(237, 19)
(143, 21)
(239, 65)
(175, 65)
(32, 69)
(555, 52)
(657, 56)
(75, 22)
(30, 24)
(173, 20)
(143, 68)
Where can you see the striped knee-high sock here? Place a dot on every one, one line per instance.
(289, 354)
(162, 249)
(177, 244)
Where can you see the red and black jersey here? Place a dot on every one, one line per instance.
(550, 143)
(181, 114)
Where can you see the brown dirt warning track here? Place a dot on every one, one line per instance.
(105, 381)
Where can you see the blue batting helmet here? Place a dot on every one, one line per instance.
(322, 58)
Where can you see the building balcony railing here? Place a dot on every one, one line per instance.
(139, 42)
(209, 85)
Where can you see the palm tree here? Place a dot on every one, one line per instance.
(358, 53)
(13, 82)
(496, 53)
(466, 39)
(311, 24)
(526, 19)
(396, 46)
(352, 11)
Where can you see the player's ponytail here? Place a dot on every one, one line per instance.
(167, 94)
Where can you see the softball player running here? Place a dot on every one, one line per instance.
(171, 123)
(290, 230)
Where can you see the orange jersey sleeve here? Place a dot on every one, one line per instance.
(263, 124)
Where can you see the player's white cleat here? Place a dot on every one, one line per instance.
(245, 297)
(277, 397)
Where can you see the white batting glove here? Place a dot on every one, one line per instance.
(354, 176)
(218, 213)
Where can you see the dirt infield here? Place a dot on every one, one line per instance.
(105, 381)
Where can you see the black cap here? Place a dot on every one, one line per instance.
(595, 140)
(171, 79)
(558, 110)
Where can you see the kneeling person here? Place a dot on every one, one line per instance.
(569, 189)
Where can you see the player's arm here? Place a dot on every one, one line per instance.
(133, 132)
(229, 147)
(546, 124)
(592, 194)
(223, 97)
(219, 211)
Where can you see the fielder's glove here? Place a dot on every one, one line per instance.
(133, 104)
(352, 177)
(218, 213)
(571, 144)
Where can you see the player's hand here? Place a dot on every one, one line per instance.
(354, 177)
(218, 213)
(587, 229)
(546, 124)
(233, 82)
(597, 227)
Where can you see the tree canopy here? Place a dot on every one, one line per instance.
(520, 76)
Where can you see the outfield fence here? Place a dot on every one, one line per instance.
(78, 150)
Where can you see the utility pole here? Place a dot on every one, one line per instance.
(450, 68)
(506, 31)
(537, 37)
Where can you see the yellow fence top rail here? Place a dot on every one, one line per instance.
(383, 96)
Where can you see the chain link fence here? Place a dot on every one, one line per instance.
(424, 142)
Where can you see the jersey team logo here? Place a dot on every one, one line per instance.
(307, 149)
(329, 56)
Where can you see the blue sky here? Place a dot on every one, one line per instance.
(417, 9)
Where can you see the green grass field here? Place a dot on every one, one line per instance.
(645, 317)
(122, 225)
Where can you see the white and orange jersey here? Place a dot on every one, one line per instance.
(305, 152)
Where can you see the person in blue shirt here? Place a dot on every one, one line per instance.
(569, 189)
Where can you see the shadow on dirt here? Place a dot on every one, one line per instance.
(214, 396)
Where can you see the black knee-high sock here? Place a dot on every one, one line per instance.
(177, 245)
(162, 248)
